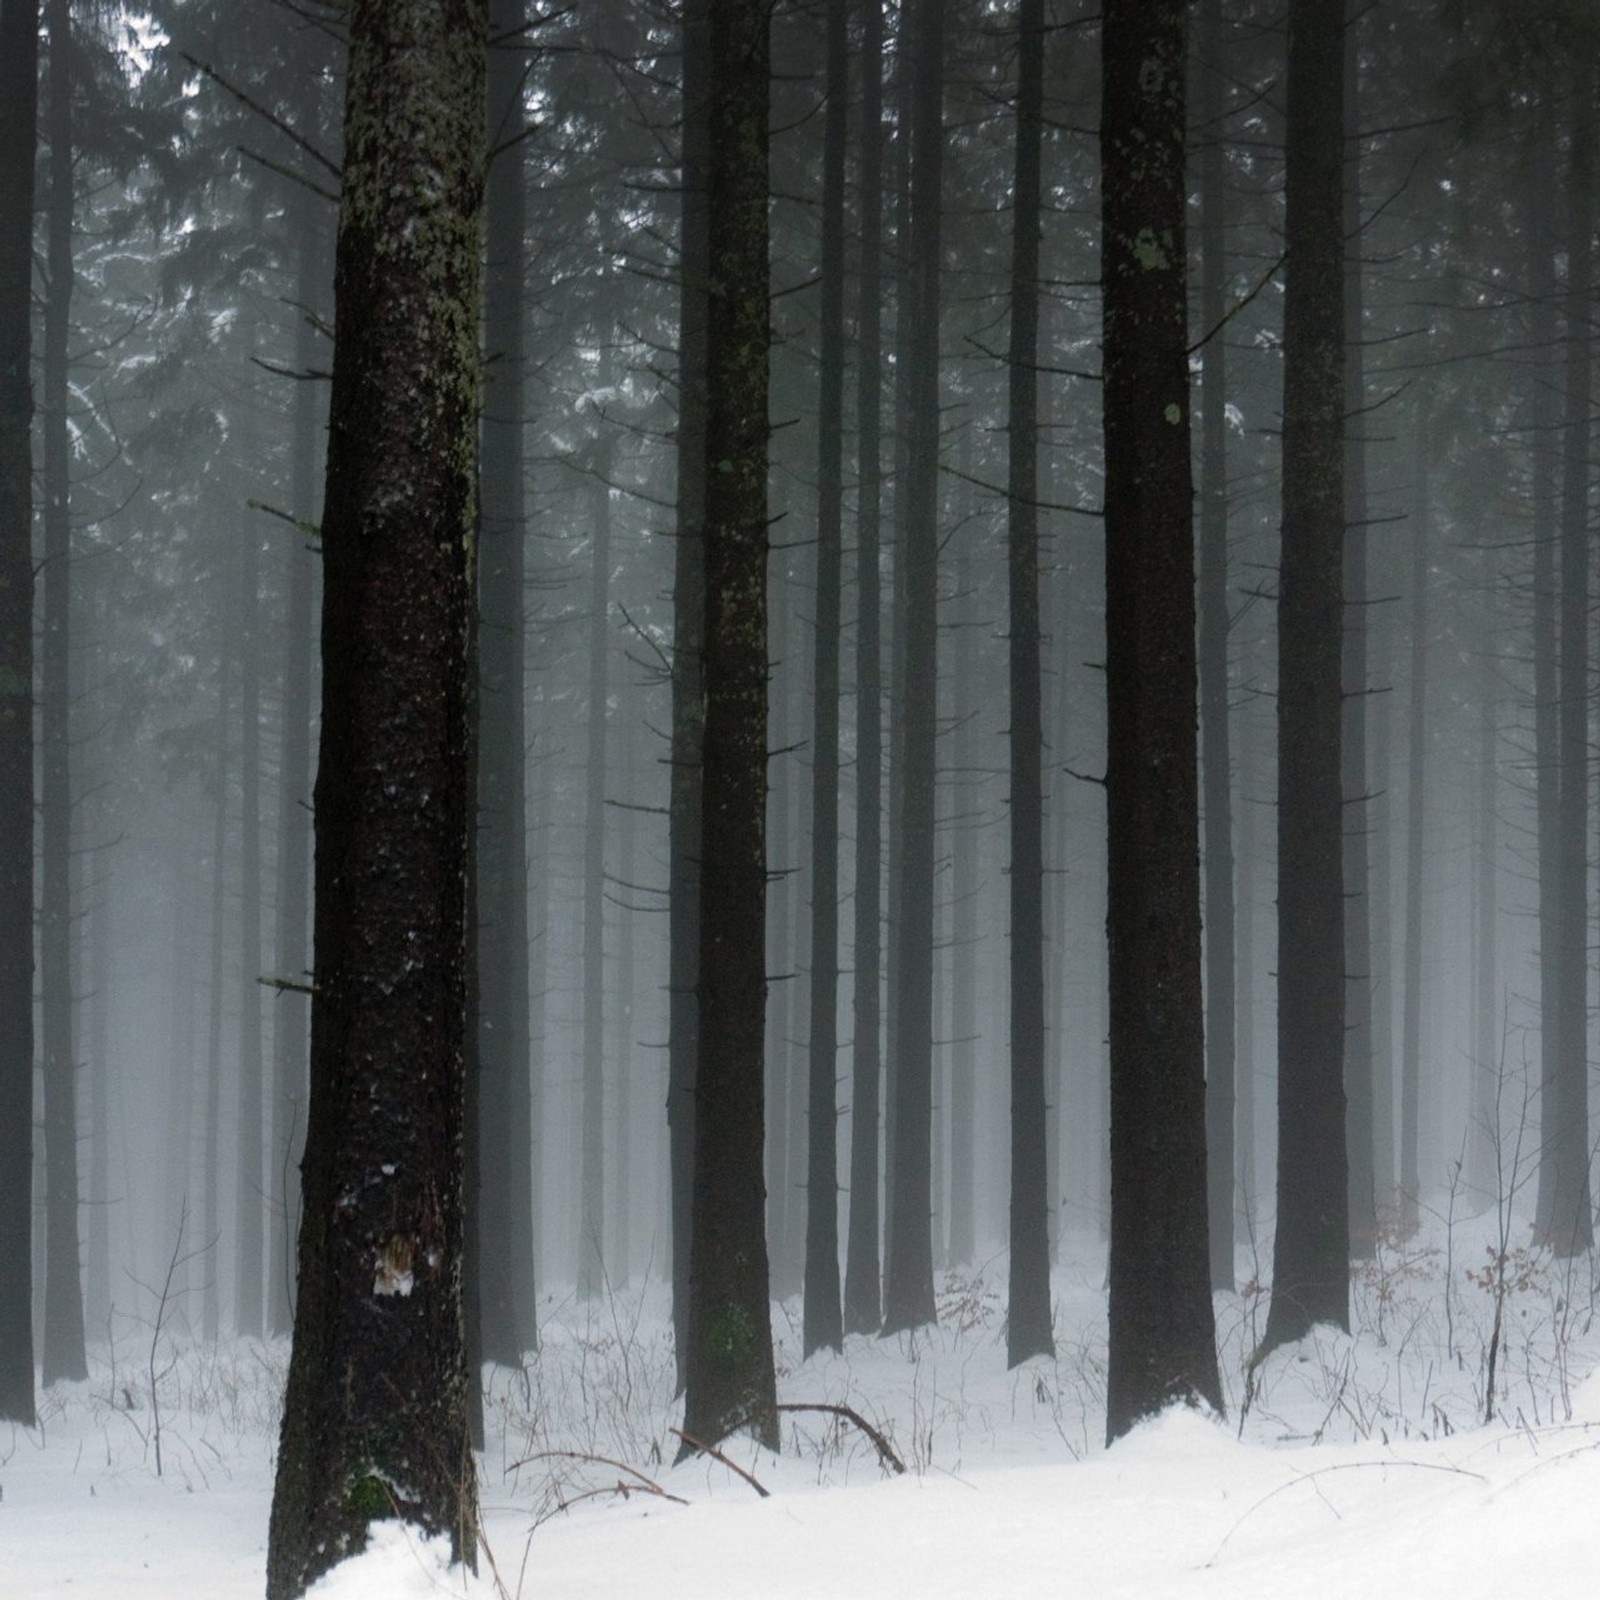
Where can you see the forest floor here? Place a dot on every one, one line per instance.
(1353, 1465)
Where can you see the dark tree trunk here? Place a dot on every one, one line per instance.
(1028, 1324)
(908, 1288)
(963, 1098)
(375, 1417)
(63, 1350)
(823, 1324)
(729, 1368)
(1162, 1337)
(19, 87)
(1569, 1226)
(1217, 760)
(1311, 1273)
(688, 689)
(1360, 973)
(505, 1217)
(861, 1303)
(210, 1207)
(1483, 1133)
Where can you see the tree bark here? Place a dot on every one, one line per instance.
(375, 1417)
(1162, 1337)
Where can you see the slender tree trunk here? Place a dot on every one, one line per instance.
(964, 889)
(861, 1300)
(63, 1349)
(908, 1287)
(1162, 1337)
(1483, 1130)
(622, 1051)
(211, 1131)
(729, 1366)
(1216, 755)
(1311, 1275)
(688, 691)
(1028, 1322)
(375, 1416)
(505, 1218)
(823, 1321)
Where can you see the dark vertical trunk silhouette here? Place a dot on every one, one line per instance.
(1569, 1227)
(729, 1365)
(688, 693)
(63, 1349)
(1028, 1323)
(823, 1317)
(1216, 755)
(908, 1286)
(376, 1411)
(622, 1049)
(19, 87)
(1310, 1269)
(784, 1137)
(592, 1209)
(1162, 1337)
(505, 1216)
(1360, 972)
(1485, 1063)
(960, 1207)
(1246, 1137)
(861, 1287)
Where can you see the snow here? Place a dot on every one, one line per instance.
(1360, 1464)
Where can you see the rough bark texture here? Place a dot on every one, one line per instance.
(861, 1296)
(19, 79)
(505, 1217)
(823, 1317)
(688, 691)
(1028, 1323)
(1311, 1278)
(729, 1369)
(1162, 1338)
(908, 1271)
(375, 1419)
(62, 1352)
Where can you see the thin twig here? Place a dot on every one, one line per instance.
(885, 1450)
(716, 1455)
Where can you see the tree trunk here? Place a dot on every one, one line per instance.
(1311, 1274)
(729, 1367)
(964, 892)
(908, 1287)
(688, 691)
(63, 1349)
(861, 1288)
(1162, 1337)
(823, 1317)
(19, 87)
(1028, 1322)
(375, 1417)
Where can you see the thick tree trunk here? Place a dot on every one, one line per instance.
(823, 1318)
(908, 1287)
(861, 1287)
(729, 1367)
(375, 1418)
(1162, 1337)
(63, 1350)
(1311, 1274)
(19, 84)
(1028, 1323)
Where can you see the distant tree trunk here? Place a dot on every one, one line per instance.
(964, 889)
(622, 1049)
(210, 1208)
(505, 1219)
(592, 1217)
(823, 1316)
(784, 1134)
(1163, 1341)
(688, 691)
(1381, 926)
(1311, 1251)
(94, 979)
(908, 1287)
(19, 87)
(1416, 821)
(1569, 1226)
(729, 1366)
(1483, 1128)
(1359, 969)
(1246, 1138)
(1217, 760)
(1028, 1323)
(375, 1416)
(861, 1287)
(63, 1351)
(291, 916)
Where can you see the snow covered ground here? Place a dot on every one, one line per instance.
(1357, 1466)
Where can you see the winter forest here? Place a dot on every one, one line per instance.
(804, 794)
